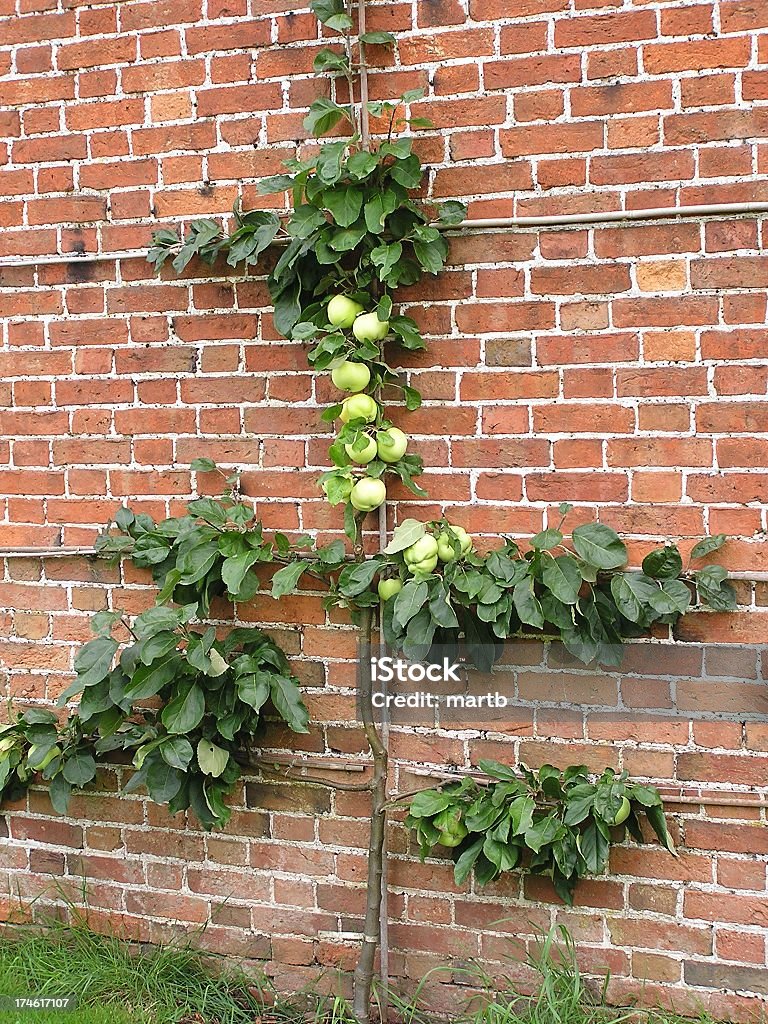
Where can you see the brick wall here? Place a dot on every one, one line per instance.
(618, 367)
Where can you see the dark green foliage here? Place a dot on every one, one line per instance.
(579, 594)
(555, 823)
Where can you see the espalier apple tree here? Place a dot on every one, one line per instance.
(355, 234)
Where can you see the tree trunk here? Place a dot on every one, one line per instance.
(364, 972)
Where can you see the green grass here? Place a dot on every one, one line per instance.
(119, 982)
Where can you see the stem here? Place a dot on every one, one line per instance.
(365, 130)
(348, 74)
(364, 971)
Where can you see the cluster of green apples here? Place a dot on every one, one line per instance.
(388, 444)
(421, 558)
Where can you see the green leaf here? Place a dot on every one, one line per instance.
(253, 689)
(409, 601)
(348, 238)
(163, 782)
(713, 588)
(304, 331)
(599, 546)
(503, 856)
(285, 580)
(419, 635)
(196, 562)
(333, 553)
(203, 466)
(543, 832)
(504, 568)
(331, 62)
(354, 579)
(632, 592)
(94, 660)
(378, 38)
(408, 332)
(185, 711)
(304, 220)
(664, 563)
(218, 666)
(440, 607)
(412, 398)
(80, 768)
(673, 598)
(234, 570)
(384, 308)
(466, 861)
(527, 605)
(451, 213)
(361, 164)
(149, 680)
(580, 800)
(324, 115)
(431, 255)
(521, 814)
(593, 847)
(655, 815)
(212, 759)
(385, 257)
(482, 814)
(324, 10)
(496, 770)
(176, 751)
(408, 172)
(59, 793)
(377, 209)
(286, 697)
(546, 540)
(429, 802)
(562, 576)
(277, 183)
(707, 546)
(157, 646)
(345, 203)
(407, 533)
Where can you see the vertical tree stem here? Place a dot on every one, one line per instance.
(365, 133)
(364, 972)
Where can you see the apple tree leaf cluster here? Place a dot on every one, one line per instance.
(551, 822)
(356, 232)
(177, 704)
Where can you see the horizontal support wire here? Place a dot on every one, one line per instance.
(671, 794)
(480, 224)
(64, 552)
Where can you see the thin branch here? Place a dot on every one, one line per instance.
(365, 121)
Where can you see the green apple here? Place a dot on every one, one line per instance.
(445, 549)
(392, 444)
(623, 812)
(424, 547)
(359, 407)
(349, 376)
(342, 311)
(453, 831)
(368, 327)
(368, 494)
(362, 456)
(388, 588)
(421, 557)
